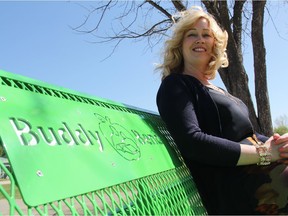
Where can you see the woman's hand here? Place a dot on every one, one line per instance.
(282, 143)
(273, 148)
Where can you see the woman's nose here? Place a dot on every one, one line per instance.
(200, 40)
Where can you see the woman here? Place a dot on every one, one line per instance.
(234, 168)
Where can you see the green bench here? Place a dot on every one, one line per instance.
(73, 154)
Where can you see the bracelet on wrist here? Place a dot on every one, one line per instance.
(264, 154)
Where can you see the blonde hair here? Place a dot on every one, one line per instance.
(173, 59)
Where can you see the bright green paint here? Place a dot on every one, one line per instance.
(80, 155)
(78, 147)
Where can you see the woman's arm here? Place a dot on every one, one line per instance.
(249, 154)
(178, 112)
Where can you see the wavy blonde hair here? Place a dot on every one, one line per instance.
(173, 58)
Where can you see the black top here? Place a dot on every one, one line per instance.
(207, 127)
(233, 114)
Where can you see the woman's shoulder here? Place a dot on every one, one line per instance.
(172, 77)
(171, 85)
(177, 79)
(176, 85)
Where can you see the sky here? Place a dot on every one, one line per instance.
(37, 40)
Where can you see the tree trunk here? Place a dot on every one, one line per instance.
(259, 51)
(235, 77)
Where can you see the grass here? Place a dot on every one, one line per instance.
(7, 189)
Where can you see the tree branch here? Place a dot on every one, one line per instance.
(104, 7)
(161, 9)
(178, 5)
(134, 35)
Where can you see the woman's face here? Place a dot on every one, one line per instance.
(198, 43)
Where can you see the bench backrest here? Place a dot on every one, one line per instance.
(70, 152)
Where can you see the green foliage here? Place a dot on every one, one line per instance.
(281, 129)
(281, 125)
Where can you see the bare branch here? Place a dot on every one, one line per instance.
(212, 8)
(274, 25)
(104, 8)
(124, 29)
(178, 5)
(161, 9)
(127, 22)
(133, 35)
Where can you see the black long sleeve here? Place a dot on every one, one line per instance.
(176, 107)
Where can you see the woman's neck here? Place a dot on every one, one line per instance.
(198, 73)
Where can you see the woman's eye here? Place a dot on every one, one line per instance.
(207, 35)
(192, 35)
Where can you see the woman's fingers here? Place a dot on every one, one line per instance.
(280, 140)
(283, 150)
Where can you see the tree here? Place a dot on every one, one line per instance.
(230, 17)
(281, 129)
(281, 125)
(235, 77)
